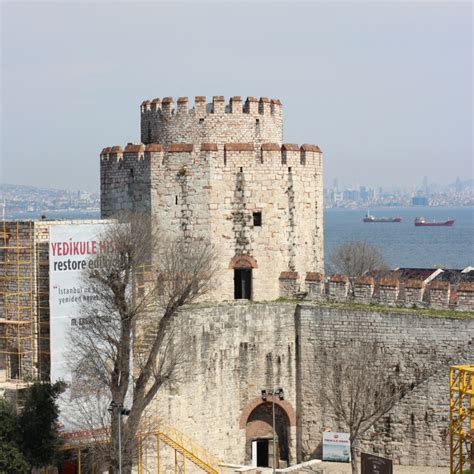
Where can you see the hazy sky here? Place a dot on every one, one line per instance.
(385, 88)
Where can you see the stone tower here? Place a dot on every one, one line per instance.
(222, 172)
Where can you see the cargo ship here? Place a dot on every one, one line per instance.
(422, 222)
(370, 218)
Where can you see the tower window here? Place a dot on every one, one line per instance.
(257, 219)
(201, 120)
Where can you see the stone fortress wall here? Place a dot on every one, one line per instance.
(222, 173)
(385, 291)
(416, 430)
(233, 351)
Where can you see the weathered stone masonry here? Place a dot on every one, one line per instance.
(221, 172)
(236, 350)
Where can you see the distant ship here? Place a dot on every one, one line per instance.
(422, 222)
(369, 218)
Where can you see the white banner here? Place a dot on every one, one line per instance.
(71, 249)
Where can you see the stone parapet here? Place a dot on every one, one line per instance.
(314, 285)
(391, 292)
(251, 106)
(289, 284)
(414, 291)
(439, 294)
(364, 289)
(388, 291)
(292, 155)
(465, 296)
(338, 287)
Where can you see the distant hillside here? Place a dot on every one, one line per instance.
(22, 200)
(22, 188)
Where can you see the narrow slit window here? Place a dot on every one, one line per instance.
(257, 219)
(176, 200)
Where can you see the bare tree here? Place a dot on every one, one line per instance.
(124, 349)
(366, 383)
(355, 258)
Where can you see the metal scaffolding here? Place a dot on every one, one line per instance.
(17, 292)
(461, 418)
(24, 306)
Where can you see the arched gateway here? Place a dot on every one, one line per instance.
(257, 419)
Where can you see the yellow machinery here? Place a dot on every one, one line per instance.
(461, 418)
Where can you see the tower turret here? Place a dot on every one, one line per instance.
(220, 171)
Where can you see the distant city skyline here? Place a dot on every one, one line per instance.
(385, 88)
(21, 200)
(339, 184)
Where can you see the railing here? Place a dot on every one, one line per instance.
(183, 445)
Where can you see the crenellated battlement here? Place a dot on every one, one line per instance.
(139, 150)
(306, 155)
(389, 291)
(251, 120)
(235, 105)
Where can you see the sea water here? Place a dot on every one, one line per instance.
(403, 244)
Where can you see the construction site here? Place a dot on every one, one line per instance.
(24, 302)
(24, 299)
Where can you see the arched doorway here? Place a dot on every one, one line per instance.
(259, 436)
(243, 277)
